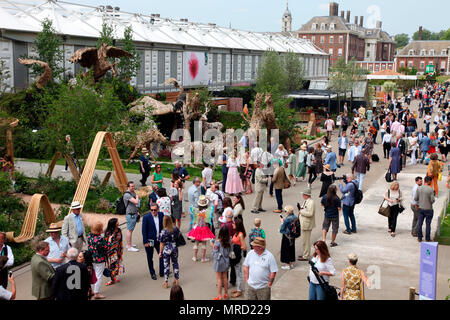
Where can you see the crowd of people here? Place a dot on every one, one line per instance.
(216, 215)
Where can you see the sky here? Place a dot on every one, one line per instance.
(398, 16)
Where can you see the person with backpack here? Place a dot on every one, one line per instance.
(332, 205)
(287, 230)
(348, 203)
(131, 202)
(256, 232)
(361, 165)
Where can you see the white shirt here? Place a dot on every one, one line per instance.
(256, 154)
(279, 154)
(387, 138)
(156, 219)
(231, 163)
(413, 194)
(427, 118)
(344, 143)
(325, 267)
(56, 251)
(413, 142)
(259, 268)
(5, 294)
(10, 256)
(207, 174)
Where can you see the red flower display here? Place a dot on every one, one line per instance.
(193, 66)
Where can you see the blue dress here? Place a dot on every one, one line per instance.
(395, 163)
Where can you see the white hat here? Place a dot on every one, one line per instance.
(76, 205)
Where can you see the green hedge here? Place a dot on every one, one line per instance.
(232, 120)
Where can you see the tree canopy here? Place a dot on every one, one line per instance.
(401, 40)
(129, 67)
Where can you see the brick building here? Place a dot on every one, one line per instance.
(339, 37)
(419, 54)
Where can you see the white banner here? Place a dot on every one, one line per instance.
(195, 68)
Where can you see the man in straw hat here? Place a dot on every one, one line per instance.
(5, 294)
(260, 269)
(73, 227)
(144, 166)
(307, 223)
(59, 245)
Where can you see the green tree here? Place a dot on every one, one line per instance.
(295, 72)
(106, 35)
(428, 35)
(389, 87)
(48, 46)
(446, 35)
(401, 40)
(129, 67)
(81, 111)
(273, 78)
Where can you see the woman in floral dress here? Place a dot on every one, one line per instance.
(352, 281)
(98, 247)
(168, 250)
(164, 202)
(113, 235)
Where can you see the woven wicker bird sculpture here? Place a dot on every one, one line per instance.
(98, 59)
(45, 77)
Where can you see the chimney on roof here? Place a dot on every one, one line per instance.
(334, 9)
(109, 8)
(348, 17)
(420, 36)
(379, 24)
(361, 21)
(117, 9)
(343, 14)
(356, 20)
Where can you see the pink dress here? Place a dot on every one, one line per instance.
(200, 231)
(234, 182)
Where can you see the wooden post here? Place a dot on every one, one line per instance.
(412, 293)
(51, 167)
(73, 168)
(10, 146)
(106, 179)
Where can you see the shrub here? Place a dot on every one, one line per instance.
(231, 119)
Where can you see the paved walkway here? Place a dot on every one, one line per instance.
(397, 258)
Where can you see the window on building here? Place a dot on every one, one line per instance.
(330, 51)
(411, 52)
(431, 52)
(390, 67)
(314, 26)
(313, 39)
(423, 52)
(369, 33)
(377, 67)
(332, 26)
(341, 39)
(340, 52)
(402, 64)
(331, 39)
(371, 67)
(304, 37)
(422, 64)
(410, 64)
(368, 54)
(444, 52)
(322, 39)
(383, 67)
(323, 26)
(442, 65)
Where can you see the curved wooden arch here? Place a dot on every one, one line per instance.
(88, 172)
(29, 224)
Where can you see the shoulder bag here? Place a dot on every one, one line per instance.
(179, 239)
(388, 176)
(286, 182)
(385, 211)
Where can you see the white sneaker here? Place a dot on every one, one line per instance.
(133, 245)
(64, 171)
(286, 267)
(133, 249)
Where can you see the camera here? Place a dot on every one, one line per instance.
(299, 206)
(281, 216)
(10, 274)
(343, 178)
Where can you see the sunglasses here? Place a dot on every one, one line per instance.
(153, 210)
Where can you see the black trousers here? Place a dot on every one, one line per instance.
(312, 172)
(145, 175)
(149, 252)
(4, 277)
(386, 149)
(392, 220)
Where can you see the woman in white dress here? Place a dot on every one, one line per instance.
(413, 145)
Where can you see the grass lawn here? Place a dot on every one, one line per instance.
(133, 167)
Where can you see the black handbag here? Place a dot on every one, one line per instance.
(107, 272)
(179, 240)
(331, 292)
(388, 176)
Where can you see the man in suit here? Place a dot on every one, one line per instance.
(307, 224)
(71, 281)
(260, 186)
(73, 227)
(42, 272)
(401, 144)
(152, 225)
